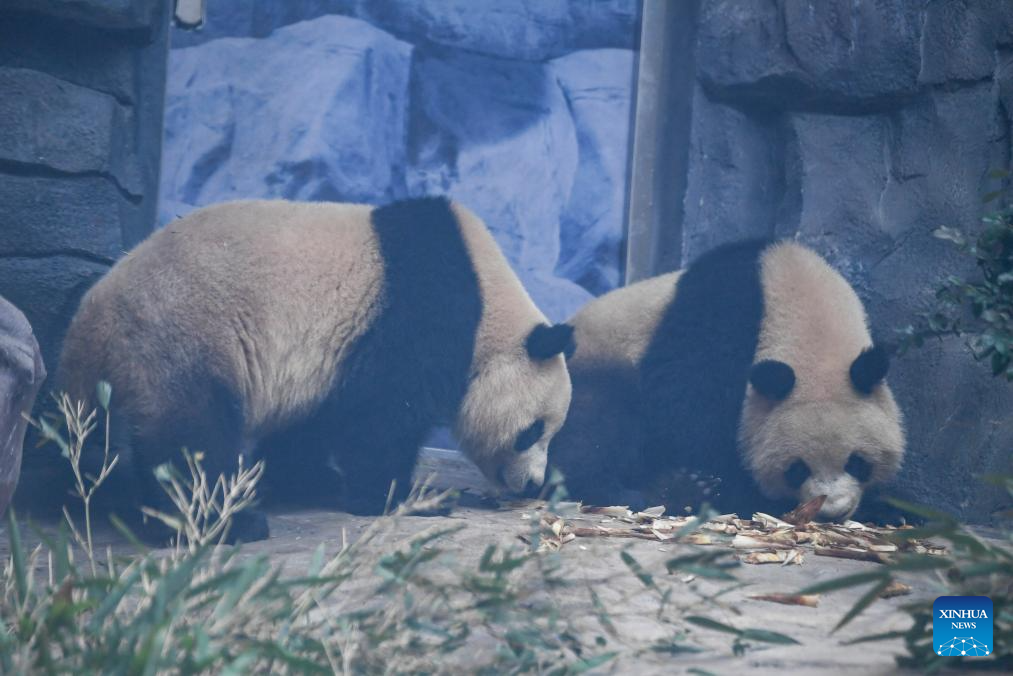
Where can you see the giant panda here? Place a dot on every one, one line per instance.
(752, 371)
(336, 333)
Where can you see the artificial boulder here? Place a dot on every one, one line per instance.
(21, 376)
(816, 56)
(532, 30)
(314, 112)
(482, 130)
(598, 85)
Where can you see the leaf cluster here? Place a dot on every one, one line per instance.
(973, 566)
(979, 310)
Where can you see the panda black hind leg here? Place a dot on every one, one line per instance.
(211, 426)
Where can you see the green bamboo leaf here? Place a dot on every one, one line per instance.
(17, 557)
(600, 611)
(708, 623)
(646, 578)
(918, 562)
(241, 665)
(767, 636)
(50, 433)
(885, 636)
(590, 663)
(863, 603)
(711, 573)
(119, 591)
(846, 582)
(104, 392)
(317, 561)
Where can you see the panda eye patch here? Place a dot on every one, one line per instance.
(796, 474)
(859, 467)
(529, 436)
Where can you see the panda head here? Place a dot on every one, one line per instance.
(835, 437)
(516, 402)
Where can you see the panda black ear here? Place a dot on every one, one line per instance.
(772, 379)
(870, 368)
(546, 341)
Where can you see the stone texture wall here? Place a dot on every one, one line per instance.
(858, 127)
(81, 103)
(519, 109)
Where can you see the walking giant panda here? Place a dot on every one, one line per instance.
(336, 333)
(753, 366)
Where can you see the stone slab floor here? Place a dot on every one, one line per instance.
(596, 561)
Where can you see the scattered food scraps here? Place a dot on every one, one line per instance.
(758, 540)
(808, 600)
(805, 513)
(895, 588)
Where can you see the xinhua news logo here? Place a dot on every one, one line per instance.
(962, 626)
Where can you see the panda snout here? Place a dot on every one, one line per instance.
(843, 495)
(520, 481)
(532, 489)
(838, 508)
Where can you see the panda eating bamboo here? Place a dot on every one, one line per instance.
(753, 366)
(338, 334)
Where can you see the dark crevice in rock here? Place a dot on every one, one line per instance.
(775, 93)
(79, 254)
(15, 168)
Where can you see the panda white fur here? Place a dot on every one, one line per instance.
(754, 365)
(324, 337)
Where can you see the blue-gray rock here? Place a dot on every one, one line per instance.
(941, 150)
(49, 122)
(598, 85)
(315, 111)
(21, 375)
(960, 39)
(868, 191)
(258, 18)
(117, 15)
(497, 135)
(49, 290)
(837, 175)
(522, 29)
(735, 180)
(76, 54)
(819, 56)
(959, 429)
(82, 215)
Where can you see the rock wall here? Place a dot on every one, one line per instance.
(80, 125)
(518, 109)
(22, 374)
(81, 102)
(858, 127)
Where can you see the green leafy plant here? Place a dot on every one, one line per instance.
(982, 310)
(368, 606)
(974, 566)
(201, 607)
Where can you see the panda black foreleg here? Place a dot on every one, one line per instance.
(376, 451)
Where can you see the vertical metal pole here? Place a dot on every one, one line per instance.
(661, 127)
